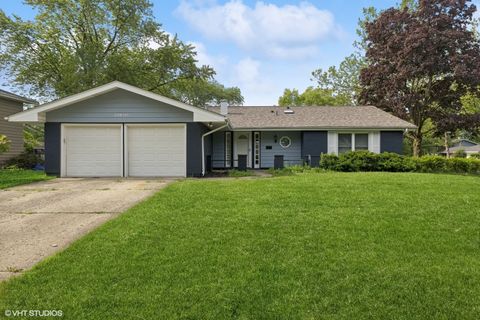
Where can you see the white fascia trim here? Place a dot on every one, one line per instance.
(37, 114)
(320, 129)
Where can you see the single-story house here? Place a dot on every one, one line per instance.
(121, 130)
(469, 147)
(11, 103)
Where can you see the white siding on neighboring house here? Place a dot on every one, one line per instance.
(13, 131)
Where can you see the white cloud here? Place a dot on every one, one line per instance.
(288, 31)
(247, 71)
(248, 75)
(205, 58)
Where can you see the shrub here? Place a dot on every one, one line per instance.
(367, 161)
(4, 143)
(457, 165)
(459, 154)
(357, 161)
(393, 162)
(26, 160)
(473, 165)
(328, 161)
(431, 164)
(475, 155)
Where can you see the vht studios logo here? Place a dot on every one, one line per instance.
(33, 313)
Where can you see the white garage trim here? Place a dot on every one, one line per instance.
(63, 146)
(160, 126)
(37, 114)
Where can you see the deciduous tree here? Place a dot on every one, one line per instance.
(74, 45)
(421, 63)
(312, 97)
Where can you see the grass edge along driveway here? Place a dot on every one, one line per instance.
(312, 246)
(10, 178)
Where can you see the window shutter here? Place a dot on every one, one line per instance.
(374, 142)
(332, 142)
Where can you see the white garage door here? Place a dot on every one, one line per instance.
(156, 150)
(92, 151)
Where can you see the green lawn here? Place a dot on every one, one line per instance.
(10, 178)
(313, 246)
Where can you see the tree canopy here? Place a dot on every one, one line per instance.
(74, 45)
(312, 97)
(421, 63)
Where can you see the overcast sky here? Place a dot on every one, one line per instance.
(260, 46)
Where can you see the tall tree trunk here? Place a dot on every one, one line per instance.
(417, 138)
(447, 149)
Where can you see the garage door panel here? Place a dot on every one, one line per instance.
(150, 150)
(156, 150)
(93, 151)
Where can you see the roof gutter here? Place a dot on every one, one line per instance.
(203, 145)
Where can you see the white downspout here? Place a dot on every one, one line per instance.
(203, 145)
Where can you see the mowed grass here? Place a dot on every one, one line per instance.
(11, 178)
(313, 246)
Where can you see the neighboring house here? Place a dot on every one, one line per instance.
(121, 130)
(468, 146)
(11, 103)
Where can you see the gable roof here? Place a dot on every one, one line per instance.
(469, 149)
(464, 143)
(37, 114)
(352, 117)
(15, 97)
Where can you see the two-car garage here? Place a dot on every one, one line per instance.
(123, 150)
(118, 130)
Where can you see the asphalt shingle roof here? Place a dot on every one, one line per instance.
(351, 117)
(15, 97)
(464, 148)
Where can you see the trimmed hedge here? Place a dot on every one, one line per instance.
(392, 162)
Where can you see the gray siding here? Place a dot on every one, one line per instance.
(52, 148)
(314, 143)
(218, 149)
(13, 131)
(292, 155)
(391, 141)
(119, 106)
(195, 131)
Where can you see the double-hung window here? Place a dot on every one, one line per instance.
(352, 142)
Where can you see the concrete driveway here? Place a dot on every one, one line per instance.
(41, 218)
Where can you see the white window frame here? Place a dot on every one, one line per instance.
(373, 140)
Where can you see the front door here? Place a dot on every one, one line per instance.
(242, 143)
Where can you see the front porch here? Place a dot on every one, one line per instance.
(255, 149)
